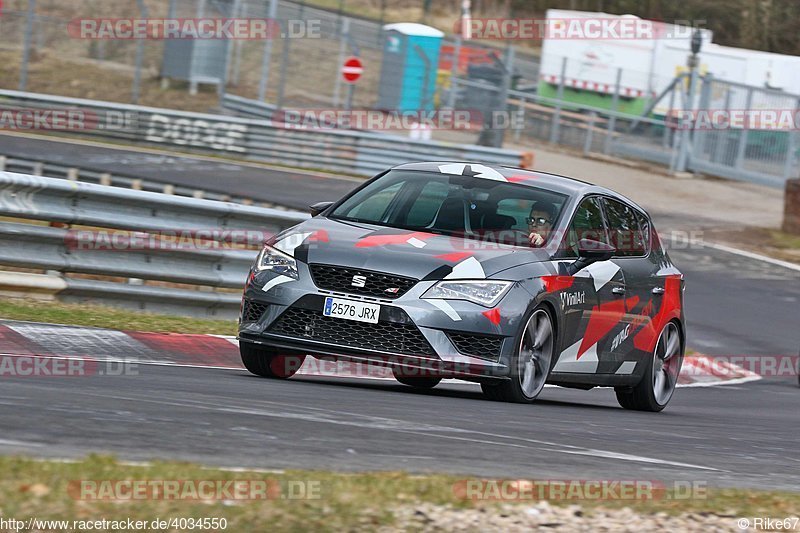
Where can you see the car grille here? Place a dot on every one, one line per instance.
(377, 285)
(483, 346)
(384, 336)
(253, 311)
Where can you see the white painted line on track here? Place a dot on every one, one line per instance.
(347, 418)
(750, 255)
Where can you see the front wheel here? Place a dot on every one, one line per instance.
(655, 389)
(531, 363)
(267, 362)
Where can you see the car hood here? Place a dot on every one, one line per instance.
(402, 252)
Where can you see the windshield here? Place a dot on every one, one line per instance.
(476, 208)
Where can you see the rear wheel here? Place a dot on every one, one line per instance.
(415, 381)
(267, 362)
(530, 365)
(655, 389)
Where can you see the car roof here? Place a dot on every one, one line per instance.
(534, 178)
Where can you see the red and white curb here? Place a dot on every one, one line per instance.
(31, 339)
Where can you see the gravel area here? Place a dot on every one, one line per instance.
(543, 516)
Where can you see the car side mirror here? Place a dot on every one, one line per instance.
(590, 251)
(319, 207)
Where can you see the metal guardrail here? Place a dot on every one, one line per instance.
(63, 249)
(39, 167)
(351, 152)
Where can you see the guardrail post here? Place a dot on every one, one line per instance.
(555, 125)
(38, 169)
(72, 174)
(105, 179)
(2, 163)
(198, 194)
(136, 184)
(169, 189)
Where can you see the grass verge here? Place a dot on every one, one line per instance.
(110, 317)
(51, 490)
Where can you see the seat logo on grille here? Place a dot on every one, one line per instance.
(359, 281)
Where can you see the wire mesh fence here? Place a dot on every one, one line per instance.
(624, 112)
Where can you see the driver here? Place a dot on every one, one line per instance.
(540, 222)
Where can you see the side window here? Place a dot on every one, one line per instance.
(624, 231)
(587, 223)
(427, 204)
(646, 229)
(374, 208)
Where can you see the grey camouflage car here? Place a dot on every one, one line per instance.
(432, 270)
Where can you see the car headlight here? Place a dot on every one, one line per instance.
(279, 262)
(481, 292)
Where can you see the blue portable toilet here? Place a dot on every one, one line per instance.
(408, 71)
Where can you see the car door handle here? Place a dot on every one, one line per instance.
(618, 290)
(658, 290)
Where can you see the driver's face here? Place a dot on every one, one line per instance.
(539, 221)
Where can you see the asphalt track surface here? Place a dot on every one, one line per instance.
(731, 435)
(292, 188)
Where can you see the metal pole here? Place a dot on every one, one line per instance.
(137, 75)
(686, 136)
(451, 98)
(337, 88)
(284, 63)
(554, 125)
(508, 74)
(742, 141)
(26, 51)
(790, 151)
(351, 91)
(665, 141)
(238, 45)
(262, 84)
(612, 119)
(587, 144)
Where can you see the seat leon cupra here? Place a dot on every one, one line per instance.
(505, 277)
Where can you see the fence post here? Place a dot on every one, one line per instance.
(137, 75)
(612, 119)
(741, 145)
(284, 62)
(587, 144)
(343, 36)
(265, 66)
(451, 98)
(26, 51)
(788, 164)
(554, 126)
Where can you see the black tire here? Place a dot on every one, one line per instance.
(267, 362)
(511, 390)
(415, 381)
(643, 396)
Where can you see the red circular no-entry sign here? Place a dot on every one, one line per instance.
(352, 69)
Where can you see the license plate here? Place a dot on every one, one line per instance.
(351, 310)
